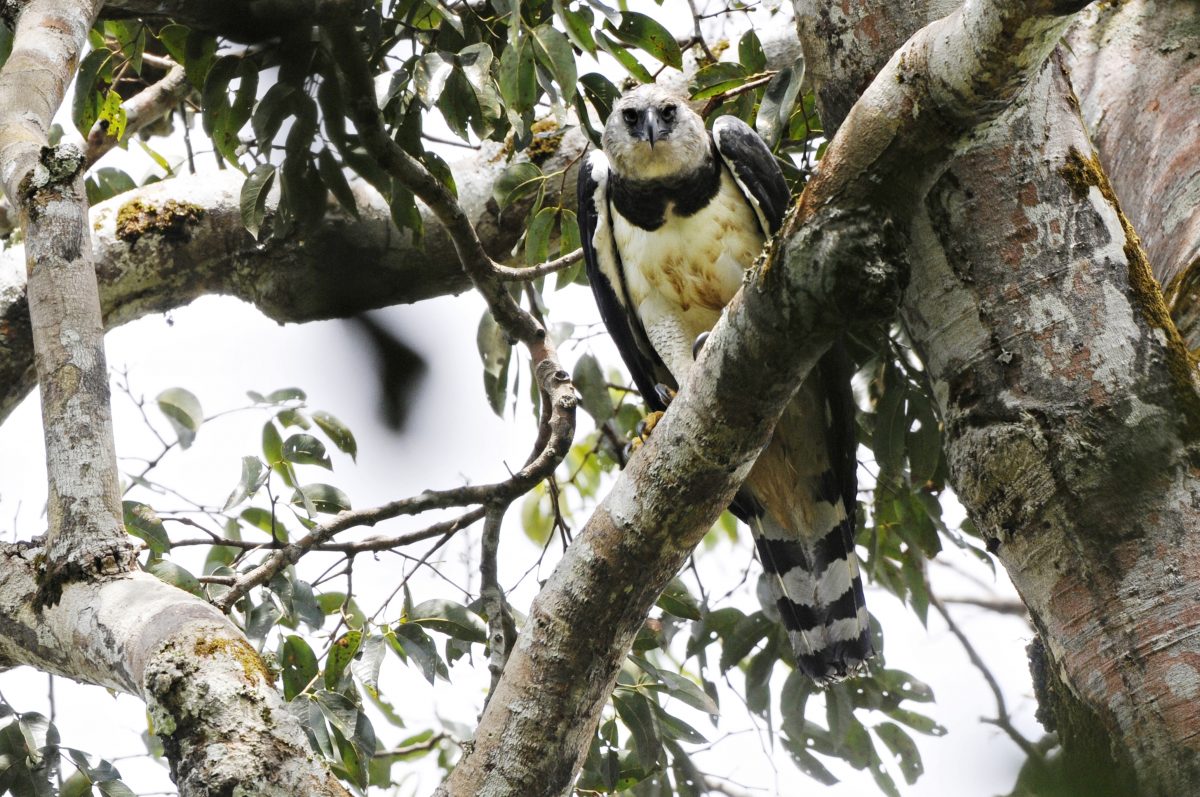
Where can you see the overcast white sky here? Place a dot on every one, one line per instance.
(219, 348)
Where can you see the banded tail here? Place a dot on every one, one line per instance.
(802, 495)
(819, 595)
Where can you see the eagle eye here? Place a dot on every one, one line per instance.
(630, 116)
(668, 113)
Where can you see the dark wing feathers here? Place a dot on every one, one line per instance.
(607, 281)
(754, 169)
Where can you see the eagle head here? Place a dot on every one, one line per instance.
(653, 133)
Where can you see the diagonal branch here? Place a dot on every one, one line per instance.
(839, 262)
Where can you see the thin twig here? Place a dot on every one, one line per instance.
(532, 273)
(502, 631)
(1002, 720)
(699, 35)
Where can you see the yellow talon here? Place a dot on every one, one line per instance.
(644, 428)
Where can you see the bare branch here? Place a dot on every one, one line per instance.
(1003, 720)
(502, 631)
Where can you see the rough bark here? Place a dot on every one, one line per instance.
(1071, 414)
(1068, 398)
(222, 722)
(1135, 67)
(839, 257)
(846, 44)
(86, 535)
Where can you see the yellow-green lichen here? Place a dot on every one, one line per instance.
(1182, 295)
(1083, 173)
(547, 135)
(172, 219)
(252, 665)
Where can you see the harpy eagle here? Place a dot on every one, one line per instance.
(671, 217)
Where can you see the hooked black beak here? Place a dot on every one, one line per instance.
(648, 126)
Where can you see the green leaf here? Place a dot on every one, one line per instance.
(341, 653)
(518, 180)
(750, 52)
(450, 618)
(339, 434)
(253, 202)
(592, 385)
(324, 497)
(285, 394)
(777, 104)
(496, 351)
(675, 599)
(176, 576)
(554, 51)
(579, 25)
(105, 183)
(624, 57)
(367, 663)
(639, 30)
(262, 520)
(902, 686)
(924, 445)
(331, 173)
(272, 443)
(430, 76)
(112, 115)
(903, 748)
(411, 642)
(517, 76)
(304, 449)
(253, 477)
(600, 92)
(85, 107)
(634, 710)
(807, 763)
(142, 522)
(688, 691)
(918, 722)
(271, 110)
(299, 665)
(743, 639)
(183, 410)
(214, 97)
(718, 78)
(537, 237)
(882, 778)
(887, 441)
(675, 728)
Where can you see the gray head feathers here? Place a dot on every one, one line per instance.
(653, 133)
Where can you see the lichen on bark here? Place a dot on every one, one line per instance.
(172, 219)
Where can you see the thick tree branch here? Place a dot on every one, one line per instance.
(223, 723)
(1135, 66)
(1070, 407)
(86, 535)
(839, 261)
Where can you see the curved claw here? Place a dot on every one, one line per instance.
(642, 433)
(665, 394)
(699, 344)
